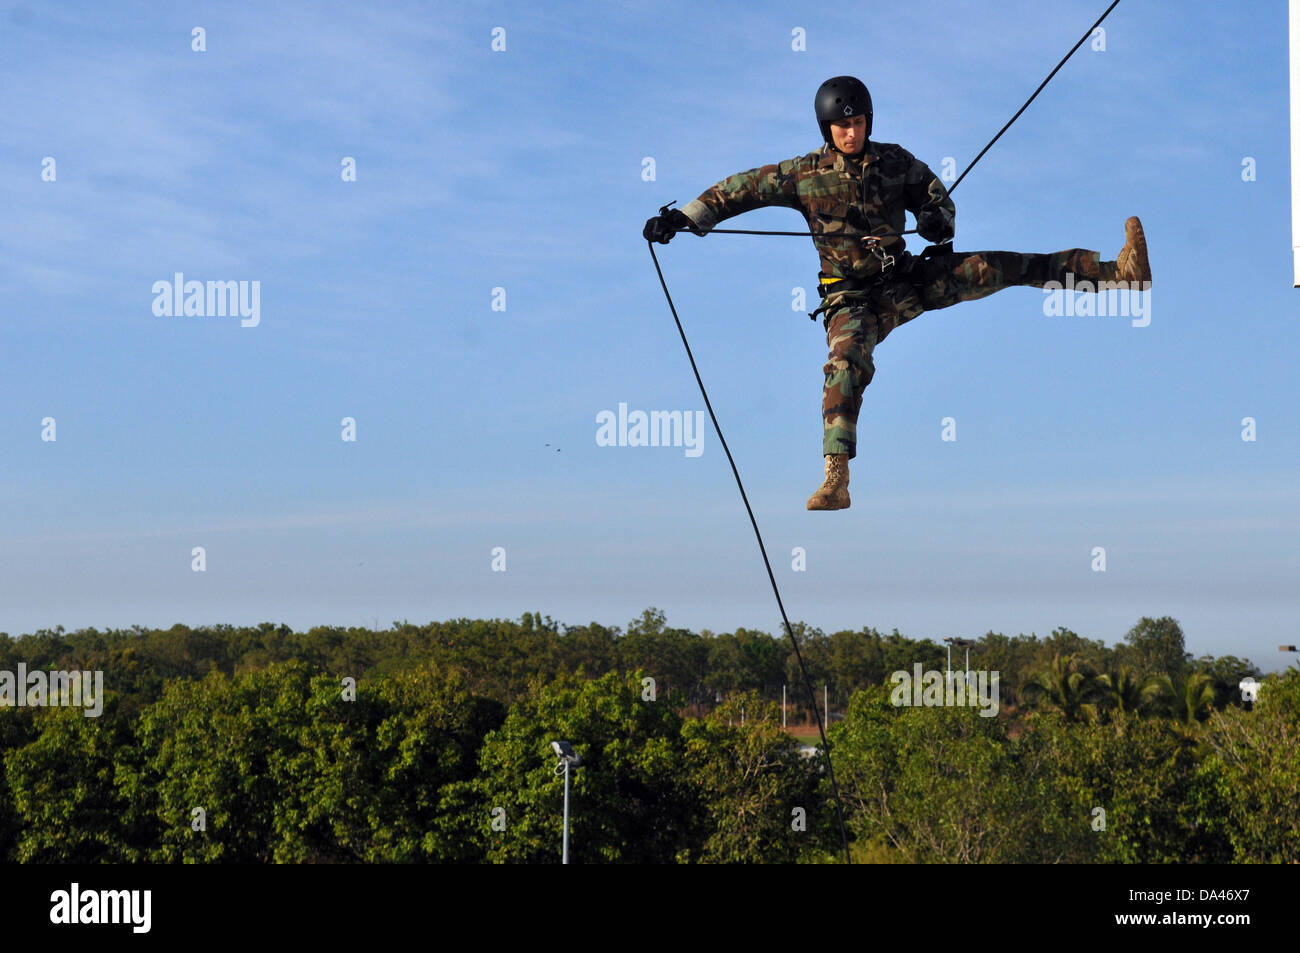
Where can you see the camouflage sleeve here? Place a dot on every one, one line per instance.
(928, 200)
(766, 185)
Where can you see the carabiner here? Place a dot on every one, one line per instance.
(873, 244)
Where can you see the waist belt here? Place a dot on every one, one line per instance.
(835, 286)
(830, 286)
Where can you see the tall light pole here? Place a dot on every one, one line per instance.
(966, 675)
(568, 758)
(955, 641)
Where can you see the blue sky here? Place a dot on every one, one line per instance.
(522, 169)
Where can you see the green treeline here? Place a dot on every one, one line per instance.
(247, 744)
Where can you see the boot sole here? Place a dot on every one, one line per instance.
(1135, 242)
(844, 506)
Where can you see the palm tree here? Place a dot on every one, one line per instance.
(1066, 684)
(1188, 698)
(1126, 691)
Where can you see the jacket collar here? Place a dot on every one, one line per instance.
(832, 158)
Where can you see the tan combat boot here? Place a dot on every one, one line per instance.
(834, 493)
(1132, 264)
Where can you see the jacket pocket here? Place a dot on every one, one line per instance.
(828, 208)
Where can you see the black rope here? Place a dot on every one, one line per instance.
(749, 231)
(911, 231)
(839, 809)
(1035, 96)
(821, 728)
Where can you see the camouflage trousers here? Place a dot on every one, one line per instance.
(854, 328)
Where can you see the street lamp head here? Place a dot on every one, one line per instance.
(565, 752)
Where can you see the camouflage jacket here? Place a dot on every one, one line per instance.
(840, 195)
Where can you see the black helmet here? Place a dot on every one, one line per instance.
(839, 98)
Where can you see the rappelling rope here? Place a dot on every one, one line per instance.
(748, 231)
(911, 231)
(821, 728)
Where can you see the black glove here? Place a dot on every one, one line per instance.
(935, 226)
(665, 225)
(932, 250)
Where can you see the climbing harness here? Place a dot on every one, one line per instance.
(887, 262)
(841, 288)
(829, 286)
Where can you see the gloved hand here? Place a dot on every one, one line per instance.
(935, 225)
(664, 226)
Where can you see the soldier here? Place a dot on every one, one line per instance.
(853, 192)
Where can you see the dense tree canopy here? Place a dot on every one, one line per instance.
(432, 743)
